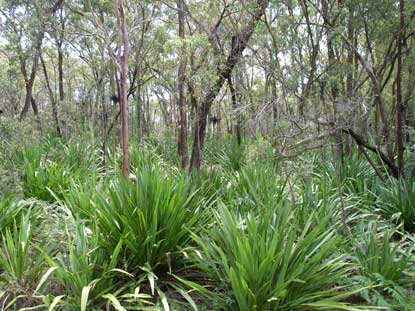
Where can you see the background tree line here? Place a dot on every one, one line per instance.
(302, 74)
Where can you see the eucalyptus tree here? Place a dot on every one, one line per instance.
(376, 56)
(225, 56)
(24, 28)
(122, 58)
(182, 145)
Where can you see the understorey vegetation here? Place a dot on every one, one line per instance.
(77, 235)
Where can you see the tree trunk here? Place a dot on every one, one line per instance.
(140, 113)
(60, 73)
(182, 144)
(52, 98)
(224, 70)
(237, 125)
(59, 42)
(313, 59)
(123, 63)
(399, 102)
(333, 85)
(30, 80)
(350, 74)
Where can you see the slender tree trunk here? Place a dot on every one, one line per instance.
(104, 125)
(59, 43)
(182, 145)
(140, 113)
(30, 80)
(334, 87)
(350, 75)
(51, 97)
(237, 125)
(60, 79)
(123, 62)
(60, 74)
(313, 59)
(408, 96)
(350, 58)
(399, 102)
(147, 113)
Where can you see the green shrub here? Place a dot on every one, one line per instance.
(270, 263)
(80, 199)
(45, 180)
(86, 271)
(231, 156)
(21, 265)
(396, 201)
(9, 211)
(384, 266)
(251, 188)
(49, 175)
(355, 175)
(152, 215)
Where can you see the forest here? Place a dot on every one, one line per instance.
(180, 155)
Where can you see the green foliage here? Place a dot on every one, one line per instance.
(255, 188)
(80, 199)
(378, 255)
(86, 271)
(396, 200)
(50, 169)
(152, 215)
(20, 263)
(270, 263)
(231, 156)
(9, 212)
(154, 242)
(384, 265)
(355, 176)
(45, 180)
